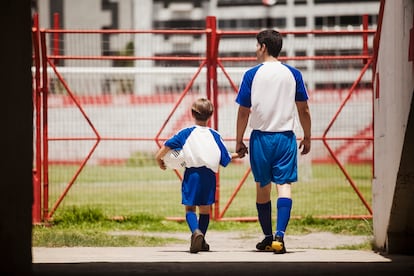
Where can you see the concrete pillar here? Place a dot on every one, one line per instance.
(17, 139)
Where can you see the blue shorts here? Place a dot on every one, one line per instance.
(198, 187)
(273, 157)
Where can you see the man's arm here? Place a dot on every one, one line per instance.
(305, 121)
(242, 120)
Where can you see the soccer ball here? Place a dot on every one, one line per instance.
(174, 159)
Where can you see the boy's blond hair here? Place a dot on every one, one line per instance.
(202, 109)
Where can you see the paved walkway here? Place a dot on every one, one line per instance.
(221, 260)
(177, 254)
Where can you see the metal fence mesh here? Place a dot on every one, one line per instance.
(110, 95)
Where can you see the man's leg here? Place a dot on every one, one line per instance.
(264, 214)
(283, 207)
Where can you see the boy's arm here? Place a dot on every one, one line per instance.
(159, 155)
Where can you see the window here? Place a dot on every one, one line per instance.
(300, 64)
(254, 23)
(342, 21)
(166, 3)
(327, 21)
(341, 1)
(300, 21)
(227, 3)
(329, 64)
(274, 22)
(180, 24)
(342, 85)
(350, 20)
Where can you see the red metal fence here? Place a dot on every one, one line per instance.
(100, 116)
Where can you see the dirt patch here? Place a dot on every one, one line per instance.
(240, 239)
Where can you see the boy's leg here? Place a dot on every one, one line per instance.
(191, 218)
(203, 222)
(197, 237)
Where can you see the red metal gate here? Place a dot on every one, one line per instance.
(48, 60)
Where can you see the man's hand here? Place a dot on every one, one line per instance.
(305, 145)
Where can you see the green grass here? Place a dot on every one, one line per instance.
(89, 227)
(144, 196)
(128, 190)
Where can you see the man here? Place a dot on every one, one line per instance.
(267, 96)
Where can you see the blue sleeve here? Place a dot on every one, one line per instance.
(245, 90)
(225, 155)
(178, 140)
(301, 93)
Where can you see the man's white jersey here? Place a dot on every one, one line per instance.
(270, 89)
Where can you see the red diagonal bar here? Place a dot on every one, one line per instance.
(98, 138)
(324, 140)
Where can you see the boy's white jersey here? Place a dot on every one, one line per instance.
(202, 146)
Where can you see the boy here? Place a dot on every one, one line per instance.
(204, 152)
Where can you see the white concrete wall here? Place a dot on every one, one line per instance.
(391, 109)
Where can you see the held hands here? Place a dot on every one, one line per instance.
(241, 149)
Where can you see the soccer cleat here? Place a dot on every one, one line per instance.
(265, 245)
(197, 239)
(205, 246)
(278, 245)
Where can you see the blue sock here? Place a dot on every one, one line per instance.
(284, 206)
(192, 222)
(203, 222)
(264, 212)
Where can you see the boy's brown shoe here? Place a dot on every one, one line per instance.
(197, 239)
(205, 246)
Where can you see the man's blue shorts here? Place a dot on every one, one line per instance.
(273, 157)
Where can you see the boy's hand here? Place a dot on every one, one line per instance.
(161, 164)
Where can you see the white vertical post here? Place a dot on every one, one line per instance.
(142, 20)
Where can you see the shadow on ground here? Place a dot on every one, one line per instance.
(399, 265)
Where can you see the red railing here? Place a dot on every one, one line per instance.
(211, 61)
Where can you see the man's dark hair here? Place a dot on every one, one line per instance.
(273, 41)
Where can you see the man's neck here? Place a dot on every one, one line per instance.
(270, 59)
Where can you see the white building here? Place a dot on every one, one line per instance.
(284, 15)
(143, 89)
